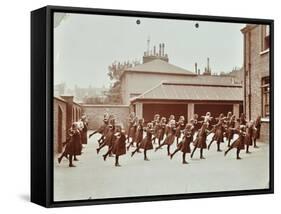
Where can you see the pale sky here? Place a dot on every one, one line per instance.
(85, 45)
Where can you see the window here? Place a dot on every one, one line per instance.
(265, 38)
(265, 96)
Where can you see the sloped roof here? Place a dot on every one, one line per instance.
(198, 92)
(159, 66)
(209, 80)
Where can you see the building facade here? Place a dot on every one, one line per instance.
(157, 86)
(188, 99)
(257, 74)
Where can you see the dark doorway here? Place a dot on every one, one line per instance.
(165, 110)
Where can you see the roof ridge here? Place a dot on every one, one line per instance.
(147, 91)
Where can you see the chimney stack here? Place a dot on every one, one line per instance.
(163, 52)
(196, 68)
(160, 49)
(208, 64)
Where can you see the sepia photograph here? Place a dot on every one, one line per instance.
(152, 106)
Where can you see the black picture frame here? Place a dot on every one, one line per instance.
(42, 105)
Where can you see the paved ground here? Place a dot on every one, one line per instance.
(93, 178)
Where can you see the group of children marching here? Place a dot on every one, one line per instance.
(165, 132)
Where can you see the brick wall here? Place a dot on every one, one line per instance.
(256, 66)
(95, 114)
(59, 124)
(65, 113)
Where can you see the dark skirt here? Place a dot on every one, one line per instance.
(160, 134)
(109, 138)
(248, 140)
(84, 137)
(229, 134)
(74, 146)
(119, 146)
(200, 142)
(169, 140)
(178, 131)
(146, 144)
(132, 132)
(239, 143)
(139, 136)
(218, 136)
(184, 145)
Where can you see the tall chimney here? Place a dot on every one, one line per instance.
(196, 68)
(208, 64)
(160, 49)
(163, 52)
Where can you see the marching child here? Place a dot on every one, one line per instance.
(169, 140)
(184, 145)
(146, 143)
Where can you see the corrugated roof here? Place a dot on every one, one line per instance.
(199, 92)
(159, 66)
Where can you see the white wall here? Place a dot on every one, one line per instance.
(15, 94)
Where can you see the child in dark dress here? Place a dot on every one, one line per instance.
(169, 140)
(179, 128)
(239, 144)
(146, 143)
(219, 130)
(73, 145)
(184, 145)
(161, 131)
(133, 122)
(200, 141)
(139, 134)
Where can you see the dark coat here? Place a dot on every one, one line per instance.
(119, 145)
(139, 134)
(229, 131)
(109, 137)
(250, 134)
(161, 131)
(85, 133)
(218, 136)
(179, 128)
(146, 143)
(184, 145)
(132, 127)
(169, 140)
(200, 141)
(240, 142)
(74, 146)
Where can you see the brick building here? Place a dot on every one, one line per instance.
(66, 111)
(256, 74)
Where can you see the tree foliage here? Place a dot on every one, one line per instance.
(115, 71)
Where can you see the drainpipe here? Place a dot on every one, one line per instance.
(250, 77)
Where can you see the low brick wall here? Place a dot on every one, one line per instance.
(95, 114)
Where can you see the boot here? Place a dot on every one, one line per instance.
(59, 159)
